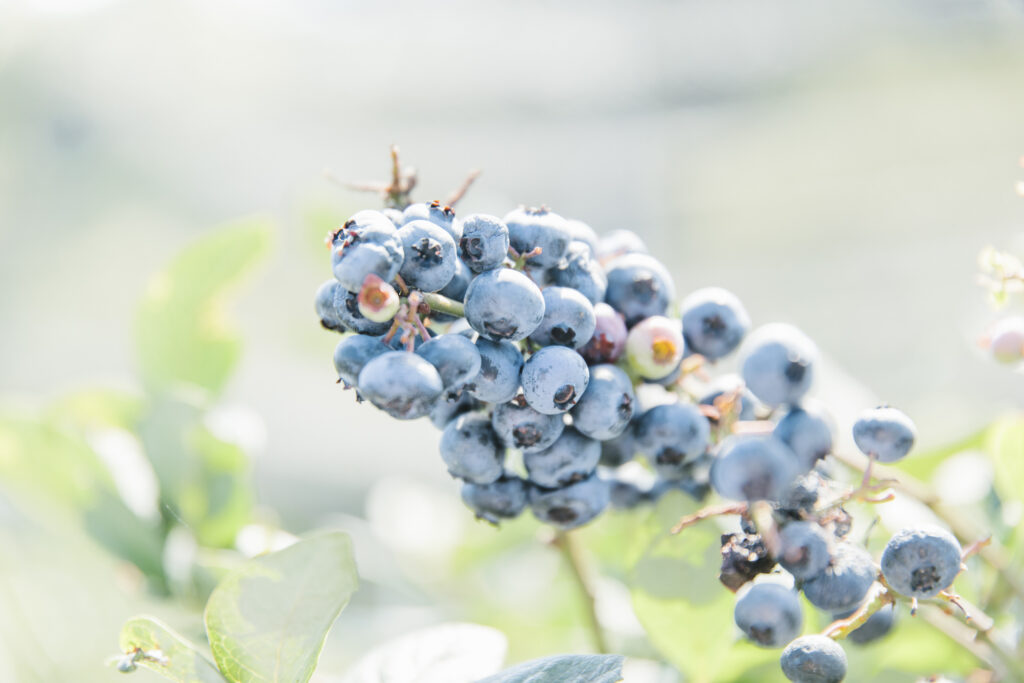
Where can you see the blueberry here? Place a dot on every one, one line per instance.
(484, 242)
(401, 384)
(720, 395)
(769, 614)
(446, 408)
(554, 379)
(619, 243)
(753, 467)
(571, 506)
(457, 286)
(638, 287)
(778, 364)
(885, 432)
(609, 339)
(395, 216)
(530, 228)
(621, 449)
(346, 307)
(430, 259)
(803, 549)
(455, 357)
(438, 214)
(583, 233)
(672, 435)
(582, 272)
(655, 347)
(608, 404)
(921, 562)
(568, 319)
(814, 659)
(571, 458)
(500, 365)
(504, 304)
(714, 322)
(471, 450)
(501, 499)
(877, 626)
(520, 426)
(326, 295)
(843, 584)
(367, 243)
(353, 353)
(808, 433)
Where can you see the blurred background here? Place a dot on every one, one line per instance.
(837, 165)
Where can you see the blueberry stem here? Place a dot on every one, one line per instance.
(568, 545)
(442, 304)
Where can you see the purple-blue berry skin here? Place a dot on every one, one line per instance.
(638, 287)
(778, 364)
(530, 228)
(884, 432)
(571, 458)
(714, 322)
(568, 319)
(471, 449)
(724, 384)
(502, 499)
(326, 295)
(396, 217)
(484, 242)
(554, 379)
(402, 384)
(814, 659)
(446, 408)
(500, 367)
(520, 426)
(582, 272)
(571, 506)
(769, 614)
(620, 449)
(607, 406)
(808, 434)
(803, 549)
(843, 584)
(753, 467)
(581, 232)
(619, 243)
(456, 358)
(877, 626)
(353, 353)
(457, 286)
(346, 307)
(671, 436)
(367, 243)
(438, 214)
(921, 562)
(430, 261)
(504, 304)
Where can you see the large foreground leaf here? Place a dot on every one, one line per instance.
(170, 655)
(563, 669)
(267, 621)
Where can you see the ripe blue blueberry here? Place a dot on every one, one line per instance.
(554, 379)
(769, 614)
(504, 304)
(455, 357)
(728, 393)
(672, 435)
(530, 228)
(571, 506)
(471, 450)
(502, 499)
(435, 212)
(638, 287)
(520, 426)
(808, 433)
(395, 216)
(346, 307)
(608, 404)
(367, 243)
(484, 242)
(814, 659)
(803, 549)
(500, 366)
(446, 408)
(571, 458)
(352, 354)
(778, 364)
(714, 322)
(326, 295)
(621, 449)
(568, 319)
(401, 384)
(753, 467)
(884, 432)
(619, 243)
(921, 562)
(582, 272)
(843, 584)
(430, 261)
(581, 232)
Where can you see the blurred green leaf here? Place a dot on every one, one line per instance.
(267, 621)
(167, 653)
(183, 336)
(563, 669)
(1004, 442)
(98, 408)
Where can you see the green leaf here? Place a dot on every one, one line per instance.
(563, 669)
(1004, 442)
(166, 653)
(267, 621)
(446, 652)
(183, 337)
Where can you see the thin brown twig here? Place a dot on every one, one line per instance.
(709, 512)
(460, 192)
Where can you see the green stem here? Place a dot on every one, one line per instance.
(442, 304)
(570, 549)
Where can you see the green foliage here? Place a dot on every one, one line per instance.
(164, 652)
(268, 620)
(563, 669)
(183, 337)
